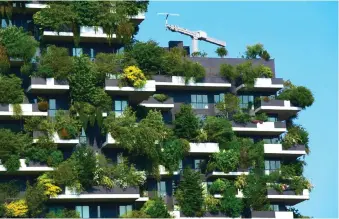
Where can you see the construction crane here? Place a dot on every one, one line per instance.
(195, 35)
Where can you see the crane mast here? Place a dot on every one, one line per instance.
(195, 35)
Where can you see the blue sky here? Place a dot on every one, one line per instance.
(302, 38)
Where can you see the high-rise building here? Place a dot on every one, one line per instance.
(102, 133)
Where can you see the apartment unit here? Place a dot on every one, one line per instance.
(203, 96)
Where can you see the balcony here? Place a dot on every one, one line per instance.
(31, 167)
(238, 195)
(283, 108)
(56, 139)
(264, 84)
(15, 62)
(99, 193)
(288, 196)
(266, 128)
(233, 174)
(272, 214)
(203, 148)
(178, 82)
(164, 172)
(110, 141)
(47, 86)
(154, 104)
(135, 95)
(7, 111)
(276, 150)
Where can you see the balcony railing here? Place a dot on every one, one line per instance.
(263, 84)
(29, 167)
(266, 128)
(27, 110)
(48, 85)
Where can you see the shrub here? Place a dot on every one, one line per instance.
(189, 193)
(108, 64)
(4, 60)
(262, 117)
(156, 208)
(160, 97)
(296, 135)
(231, 205)
(135, 214)
(186, 123)
(221, 52)
(55, 63)
(228, 105)
(212, 204)
(298, 95)
(218, 129)
(18, 43)
(255, 191)
(66, 174)
(256, 50)
(35, 199)
(240, 181)
(64, 213)
(241, 117)
(48, 185)
(10, 90)
(12, 144)
(134, 77)
(225, 161)
(174, 151)
(12, 164)
(193, 70)
(264, 71)
(43, 105)
(16, 208)
(55, 158)
(229, 72)
(66, 126)
(218, 186)
(299, 183)
(17, 111)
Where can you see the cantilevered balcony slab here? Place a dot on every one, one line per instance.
(135, 95)
(110, 141)
(283, 108)
(276, 150)
(266, 128)
(203, 148)
(99, 193)
(154, 104)
(48, 86)
(264, 84)
(30, 168)
(289, 197)
(233, 174)
(164, 172)
(15, 62)
(272, 214)
(178, 82)
(56, 139)
(7, 110)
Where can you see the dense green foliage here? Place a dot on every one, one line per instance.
(10, 90)
(186, 123)
(257, 50)
(298, 95)
(174, 150)
(189, 193)
(160, 97)
(35, 199)
(225, 161)
(296, 135)
(75, 14)
(218, 130)
(64, 213)
(155, 208)
(255, 191)
(66, 126)
(55, 63)
(221, 52)
(18, 43)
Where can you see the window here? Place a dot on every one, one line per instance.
(199, 101)
(51, 107)
(120, 106)
(92, 54)
(77, 52)
(271, 141)
(4, 24)
(274, 207)
(272, 165)
(124, 209)
(162, 188)
(83, 211)
(198, 163)
(219, 98)
(246, 101)
(272, 118)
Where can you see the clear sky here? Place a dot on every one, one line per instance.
(302, 37)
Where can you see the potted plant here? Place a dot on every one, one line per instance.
(42, 104)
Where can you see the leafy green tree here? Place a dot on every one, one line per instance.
(298, 95)
(35, 198)
(55, 62)
(148, 55)
(229, 72)
(218, 129)
(109, 63)
(64, 213)
(225, 161)
(256, 50)
(18, 43)
(156, 208)
(13, 144)
(186, 123)
(174, 150)
(221, 52)
(10, 90)
(229, 203)
(189, 193)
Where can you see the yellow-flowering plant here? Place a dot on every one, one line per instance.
(51, 189)
(134, 76)
(17, 208)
